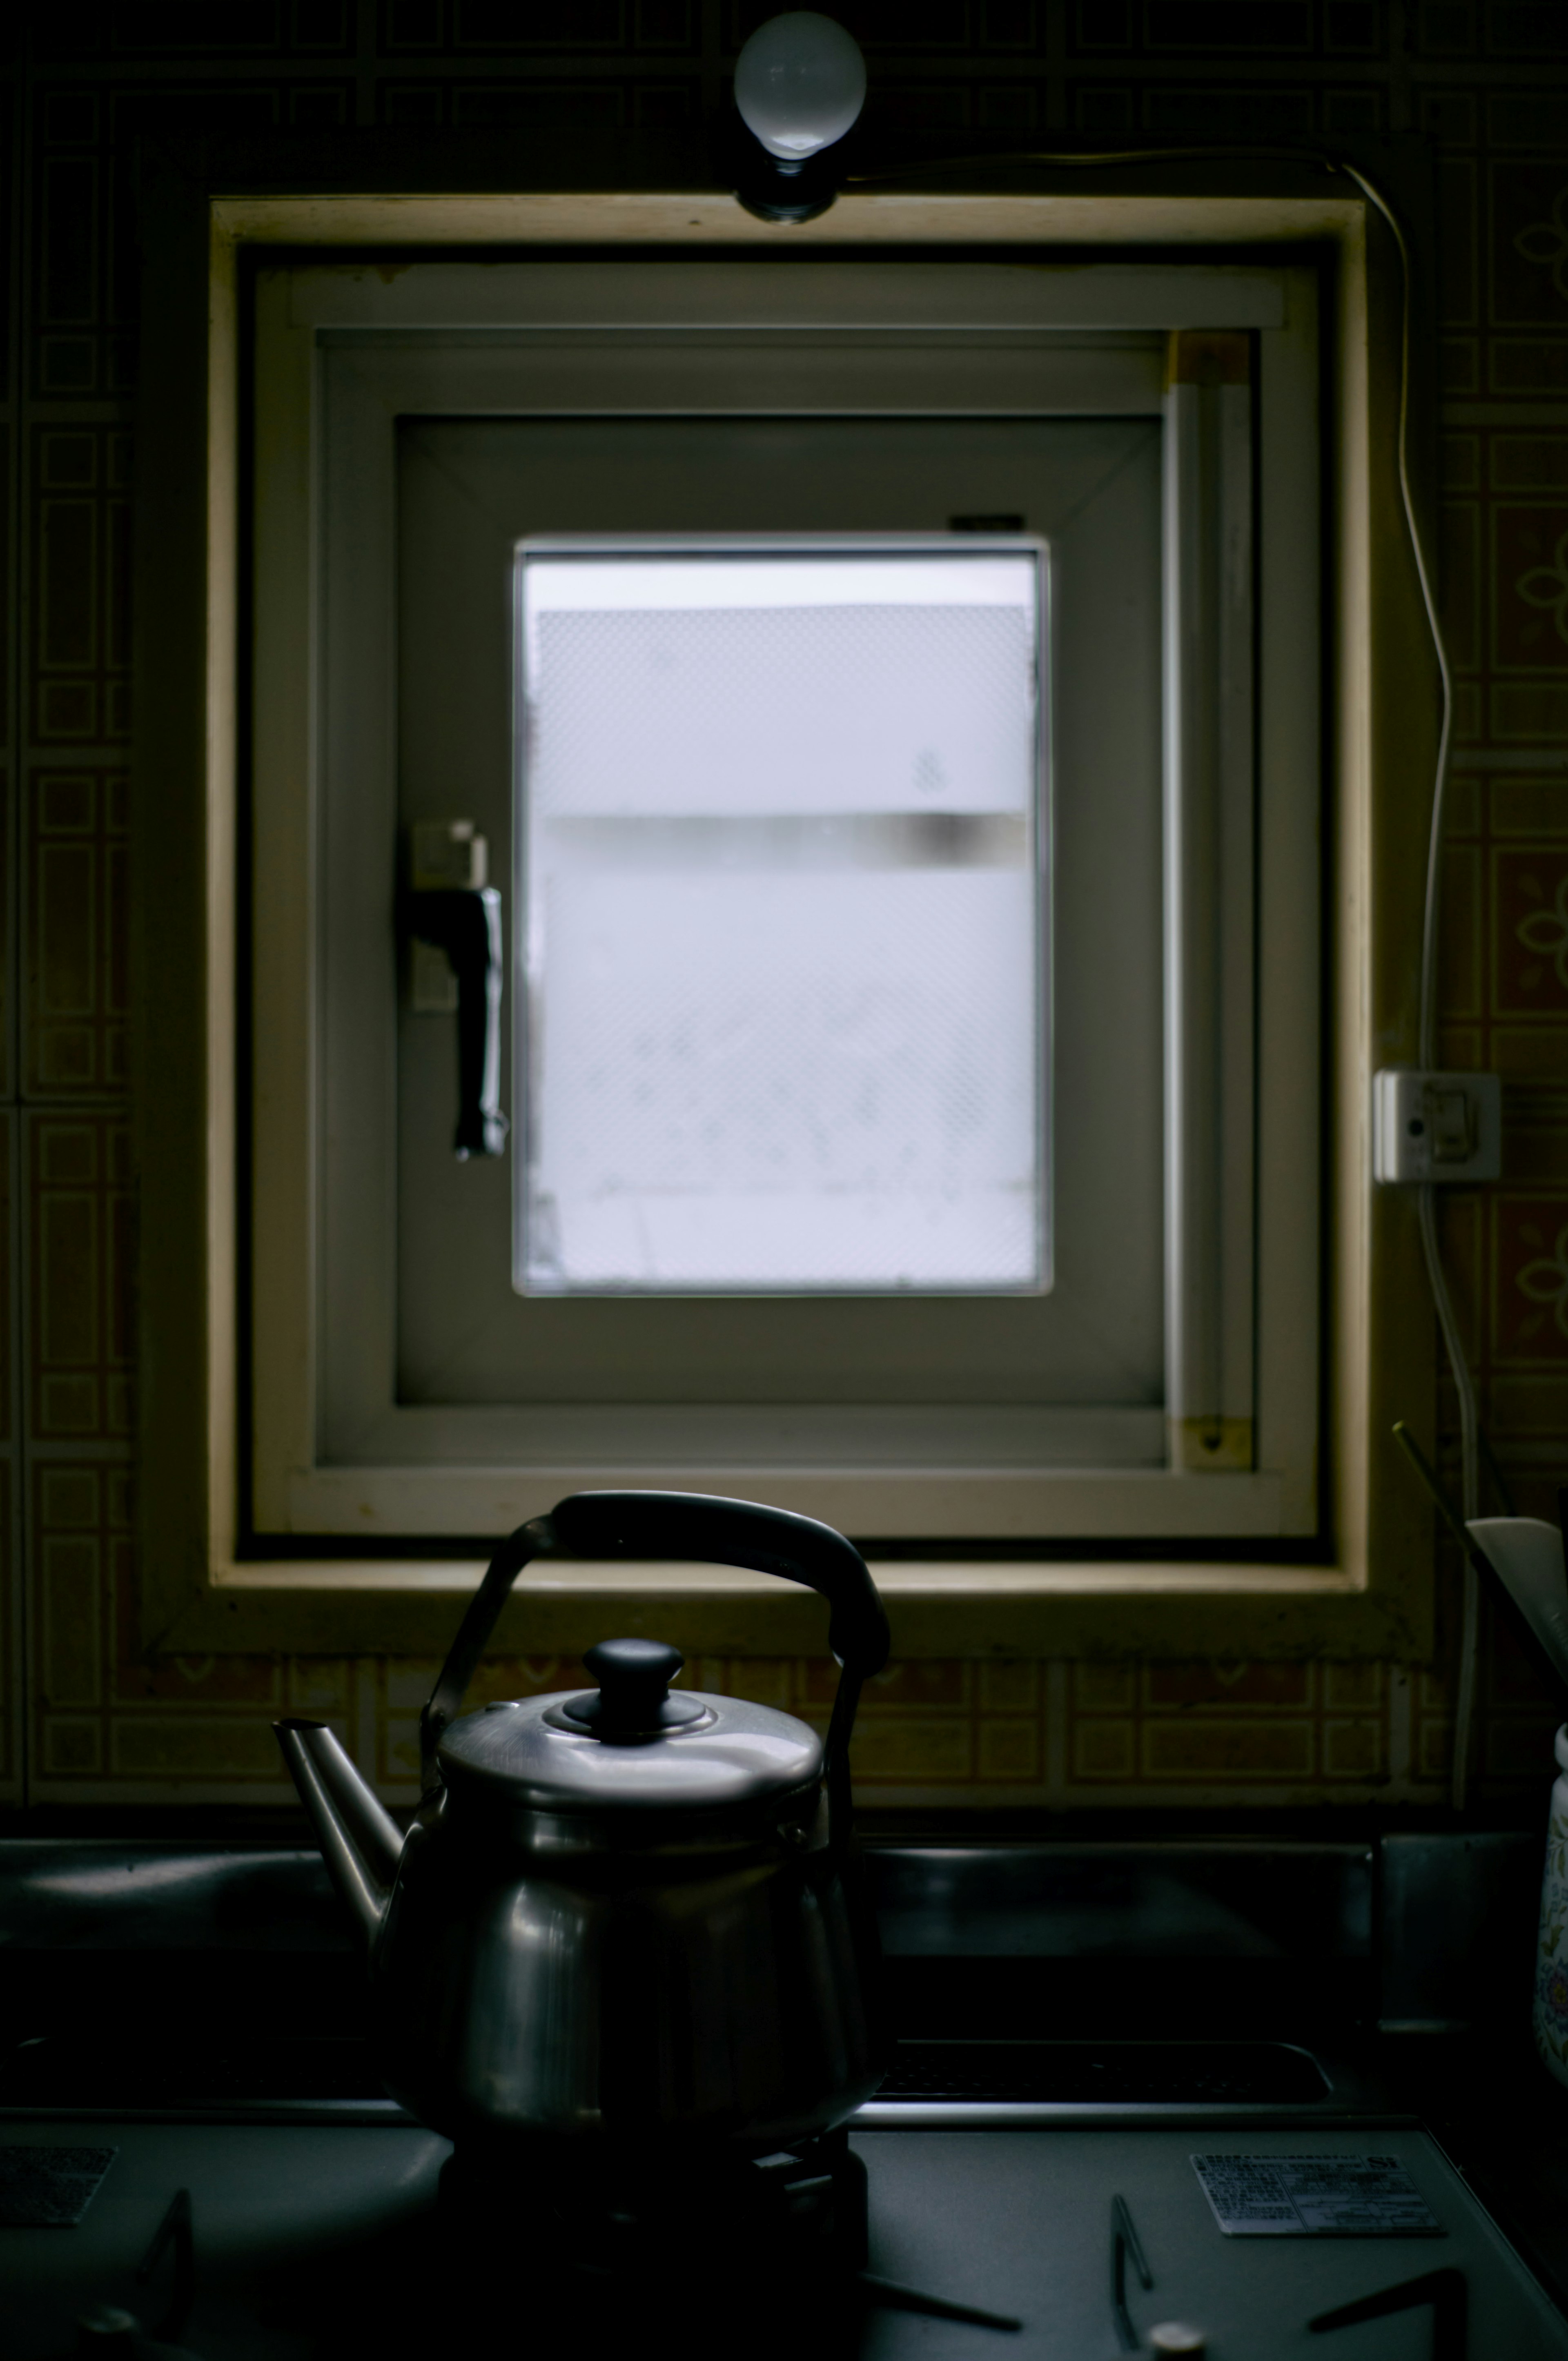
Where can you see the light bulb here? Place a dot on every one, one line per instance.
(800, 81)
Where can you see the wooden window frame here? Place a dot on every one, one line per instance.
(1369, 1590)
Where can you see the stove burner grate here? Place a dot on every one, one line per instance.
(794, 2223)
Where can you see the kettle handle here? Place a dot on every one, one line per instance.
(685, 1525)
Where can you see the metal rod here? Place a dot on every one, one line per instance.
(1502, 1597)
(1444, 2290)
(176, 2224)
(1124, 2241)
(892, 2297)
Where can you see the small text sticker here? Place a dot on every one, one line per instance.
(1314, 2197)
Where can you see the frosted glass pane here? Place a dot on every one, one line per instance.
(784, 951)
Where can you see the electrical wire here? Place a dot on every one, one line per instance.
(1471, 1440)
(1467, 1669)
(1437, 1278)
(1469, 1451)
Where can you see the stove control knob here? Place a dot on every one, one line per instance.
(1179, 2337)
(107, 2330)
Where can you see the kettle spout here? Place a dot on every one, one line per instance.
(360, 1841)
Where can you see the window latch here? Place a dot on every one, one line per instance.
(449, 908)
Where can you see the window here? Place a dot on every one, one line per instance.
(780, 943)
(1041, 915)
(310, 1478)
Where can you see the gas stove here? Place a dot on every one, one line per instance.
(931, 2227)
(248, 2195)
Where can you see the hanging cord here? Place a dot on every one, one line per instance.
(1469, 1460)
(1437, 1278)
(1470, 1438)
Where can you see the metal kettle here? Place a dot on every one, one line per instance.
(630, 1914)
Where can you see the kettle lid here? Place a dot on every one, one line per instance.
(632, 1743)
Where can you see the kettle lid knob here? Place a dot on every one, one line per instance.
(645, 1664)
(633, 1698)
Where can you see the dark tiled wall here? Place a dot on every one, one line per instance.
(85, 1717)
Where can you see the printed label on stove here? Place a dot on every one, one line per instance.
(1314, 2197)
(42, 2188)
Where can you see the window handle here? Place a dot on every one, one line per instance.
(465, 922)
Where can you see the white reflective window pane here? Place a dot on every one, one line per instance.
(782, 962)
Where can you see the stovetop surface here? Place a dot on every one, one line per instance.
(195, 2014)
(317, 2240)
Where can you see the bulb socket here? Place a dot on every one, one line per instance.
(775, 189)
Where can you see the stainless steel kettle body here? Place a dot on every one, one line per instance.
(632, 1916)
(671, 1990)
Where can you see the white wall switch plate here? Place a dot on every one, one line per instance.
(1439, 1128)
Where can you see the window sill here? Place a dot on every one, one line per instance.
(1096, 1608)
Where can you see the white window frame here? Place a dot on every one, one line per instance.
(1241, 1456)
(1362, 1586)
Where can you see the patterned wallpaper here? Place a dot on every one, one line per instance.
(86, 1718)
